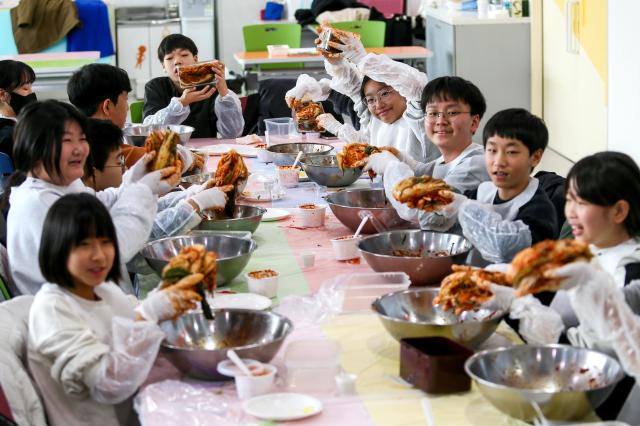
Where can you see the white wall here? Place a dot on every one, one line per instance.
(624, 77)
(232, 16)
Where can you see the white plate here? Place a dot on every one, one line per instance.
(282, 406)
(240, 301)
(258, 196)
(274, 214)
(245, 151)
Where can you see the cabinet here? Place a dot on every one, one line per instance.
(494, 54)
(137, 49)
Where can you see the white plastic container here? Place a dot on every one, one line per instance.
(345, 247)
(312, 366)
(278, 50)
(266, 285)
(250, 386)
(288, 176)
(360, 290)
(310, 215)
(263, 155)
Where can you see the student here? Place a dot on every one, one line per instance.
(211, 111)
(50, 152)
(380, 99)
(453, 108)
(101, 91)
(603, 210)
(178, 211)
(16, 91)
(90, 346)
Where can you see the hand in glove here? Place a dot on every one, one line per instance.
(496, 239)
(539, 324)
(186, 158)
(212, 198)
(329, 123)
(379, 161)
(574, 274)
(308, 89)
(442, 220)
(502, 298)
(161, 181)
(351, 47)
(138, 170)
(402, 156)
(171, 301)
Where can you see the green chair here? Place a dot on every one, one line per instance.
(258, 37)
(136, 111)
(371, 32)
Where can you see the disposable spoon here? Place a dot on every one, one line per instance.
(233, 356)
(295, 163)
(364, 220)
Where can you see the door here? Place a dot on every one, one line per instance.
(441, 41)
(574, 75)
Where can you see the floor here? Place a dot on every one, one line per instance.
(552, 161)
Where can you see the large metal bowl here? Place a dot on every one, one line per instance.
(410, 313)
(233, 252)
(284, 154)
(433, 253)
(196, 345)
(346, 206)
(245, 218)
(566, 382)
(324, 170)
(137, 133)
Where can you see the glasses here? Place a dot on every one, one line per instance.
(432, 116)
(382, 96)
(120, 164)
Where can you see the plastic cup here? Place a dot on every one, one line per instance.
(288, 177)
(263, 282)
(250, 386)
(277, 130)
(311, 215)
(345, 248)
(346, 383)
(308, 259)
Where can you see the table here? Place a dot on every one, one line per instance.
(397, 52)
(367, 349)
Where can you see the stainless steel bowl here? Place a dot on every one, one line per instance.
(137, 133)
(324, 170)
(196, 345)
(566, 382)
(346, 206)
(428, 255)
(410, 313)
(233, 252)
(285, 154)
(245, 218)
(194, 179)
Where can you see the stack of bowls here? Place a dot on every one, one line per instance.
(324, 170)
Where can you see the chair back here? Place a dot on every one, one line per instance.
(371, 32)
(135, 108)
(258, 37)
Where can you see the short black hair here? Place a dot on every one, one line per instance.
(92, 84)
(604, 179)
(519, 124)
(454, 89)
(38, 135)
(173, 42)
(71, 219)
(14, 74)
(104, 137)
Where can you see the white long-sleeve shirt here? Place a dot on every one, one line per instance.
(89, 357)
(132, 208)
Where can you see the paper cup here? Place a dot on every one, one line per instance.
(263, 282)
(288, 177)
(250, 386)
(345, 248)
(311, 215)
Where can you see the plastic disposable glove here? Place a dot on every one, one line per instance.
(379, 161)
(211, 198)
(171, 301)
(539, 324)
(138, 170)
(351, 47)
(502, 298)
(406, 158)
(442, 220)
(186, 156)
(161, 181)
(576, 273)
(308, 89)
(329, 123)
(497, 240)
